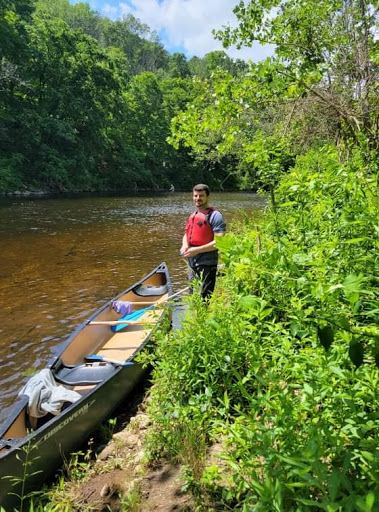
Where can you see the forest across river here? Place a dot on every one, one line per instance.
(62, 258)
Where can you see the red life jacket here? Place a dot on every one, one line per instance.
(198, 229)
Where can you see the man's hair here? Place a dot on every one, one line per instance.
(200, 187)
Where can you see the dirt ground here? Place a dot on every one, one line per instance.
(120, 480)
(119, 471)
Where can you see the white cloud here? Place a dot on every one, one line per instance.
(110, 11)
(188, 24)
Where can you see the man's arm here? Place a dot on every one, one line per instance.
(185, 244)
(190, 252)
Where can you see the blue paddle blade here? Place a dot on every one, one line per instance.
(134, 315)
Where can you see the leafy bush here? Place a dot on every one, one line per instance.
(283, 364)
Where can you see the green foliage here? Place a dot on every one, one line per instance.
(78, 16)
(233, 117)
(142, 49)
(281, 369)
(61, 497)
(13, 16)
(212, 61)
(320, 87)
(325, 49)
(178, 66)
(76, 467)
(26, 457)
(65, 76)
(86, 102)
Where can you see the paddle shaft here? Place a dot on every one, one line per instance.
(137, 322)
(104, 359)
(119, 322)
(161, 301)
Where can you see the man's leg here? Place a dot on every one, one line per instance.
(193, 273)
(208, 281)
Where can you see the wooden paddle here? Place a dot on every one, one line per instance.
(162, 300)
(95, 357)
(138, 322)
(120, 322)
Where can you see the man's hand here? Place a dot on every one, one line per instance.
(190, 252)
(183, 250)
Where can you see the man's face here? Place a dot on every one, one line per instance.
(200, 199)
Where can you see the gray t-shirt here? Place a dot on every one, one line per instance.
(216, 220)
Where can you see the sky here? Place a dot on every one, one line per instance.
(182, 25)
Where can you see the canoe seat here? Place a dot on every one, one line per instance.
(146, 290)
(84, 374)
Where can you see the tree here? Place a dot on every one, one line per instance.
(13, 50)
(71, 116)
(77, 16)
(73, 87)
(13, 15)
(327, 52)
(140, 45)
(321, 86)
(178, 66)
(212, 61)
(149, 124)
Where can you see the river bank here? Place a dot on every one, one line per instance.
(54, 194)
(121, 478)
(35, 194)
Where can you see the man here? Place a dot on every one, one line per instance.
(198, 245)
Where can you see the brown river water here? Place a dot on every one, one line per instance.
(60, 259)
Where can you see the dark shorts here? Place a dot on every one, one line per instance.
(207, 276)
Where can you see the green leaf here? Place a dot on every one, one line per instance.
(368, 456)
(334, 483)
(337, 371)
(356, 352)
(249, 302)
(370, 500)
(311, 503)
(297, 484)
(352, 287)
(294, 328)
(366, 506)
(325, 336)
(356, 240)
(308, 389)
(302, 259)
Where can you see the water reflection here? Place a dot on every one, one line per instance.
(62, 258)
